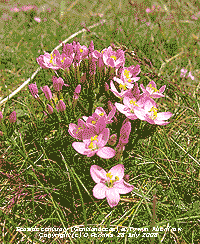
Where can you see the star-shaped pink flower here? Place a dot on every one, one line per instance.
(111, 184)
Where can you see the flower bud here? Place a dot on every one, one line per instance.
(61, 106)
(112, 140)
(47, 92)
(33, 89)
(13, 117)
(49, 108)
(1, 116)
(57, 83)
(83, 78)
(78, 89)
(106, 86)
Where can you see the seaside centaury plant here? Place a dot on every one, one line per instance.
(96, 110)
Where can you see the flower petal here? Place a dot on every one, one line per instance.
(161, 90)
(112, 196)
(98, 174)
(123, 187)
(164, 115)
(140, 113)
(99, 191)
(117, 170)
(106, 152)
(80, 147)
(121, 107)
(103, 137)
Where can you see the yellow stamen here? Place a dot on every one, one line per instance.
(91, 145)
(133, 102)
(109, 175)
(80, 128)
(153, 88)
(122, 87)
(94, 138)
(126, 73)
(111, 182)
(102, 114)
(81, 50)
(154, 110)
(113, 57)
(93, 122)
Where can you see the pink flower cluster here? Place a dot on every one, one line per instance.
(57, 85)
(73, 54)
(24, 8)
(183, 74)
(153, 8)
(92, 132)
(140, 106)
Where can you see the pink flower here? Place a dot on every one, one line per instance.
(80, 131)
(95, 145)
(65, 61)
(81, 52)
(111, 184)
(130, 107)
(47, 92)
(194, 17)
(151, 90)
(151, 115)
(148, 10)
(112, 58)
(101, 112)
(183, 72)
(49, 60)
(37, 19)
(34, 90)
(68, 49)
(123, 85)
(190, 75)
(98, 123)
(15, 9)
(27, 8)
(13, 117)
(148, 23)
(78, 89)
(99, 119)
(61, 106)
(58, 83)
(129, 74)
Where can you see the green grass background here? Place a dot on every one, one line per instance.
(165, 164)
